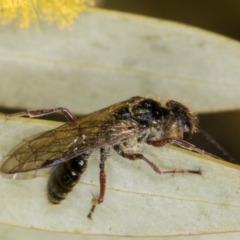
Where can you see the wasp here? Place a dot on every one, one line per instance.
(64, 152)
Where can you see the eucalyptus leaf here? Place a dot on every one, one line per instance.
(107, 57)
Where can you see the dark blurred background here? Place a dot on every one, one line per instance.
(219, 16)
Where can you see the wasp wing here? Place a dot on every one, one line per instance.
(70, 140)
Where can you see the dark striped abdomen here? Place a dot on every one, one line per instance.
(65, 176)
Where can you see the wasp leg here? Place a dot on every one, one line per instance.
(42, 112)
(104, 153)
(136, 156)
(180, 143)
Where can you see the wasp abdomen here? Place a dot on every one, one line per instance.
(64, 177)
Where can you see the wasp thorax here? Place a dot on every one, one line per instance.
(172, 118)
(149, 111)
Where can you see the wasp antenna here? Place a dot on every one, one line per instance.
(218, 146)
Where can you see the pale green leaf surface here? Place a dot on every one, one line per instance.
(138, 202)
(119, 55)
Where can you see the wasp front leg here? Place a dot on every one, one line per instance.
(104, 153)
(180, 143)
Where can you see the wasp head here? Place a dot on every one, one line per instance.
(185, 121)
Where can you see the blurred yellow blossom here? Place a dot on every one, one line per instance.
(63, 12)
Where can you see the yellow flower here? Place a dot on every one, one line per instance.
(63, 12)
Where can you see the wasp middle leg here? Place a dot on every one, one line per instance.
(137, 156)
(104, 153)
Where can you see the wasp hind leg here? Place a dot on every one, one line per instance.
(42, 112)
